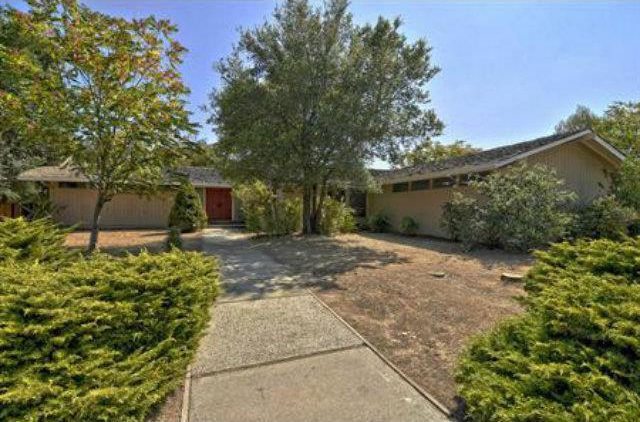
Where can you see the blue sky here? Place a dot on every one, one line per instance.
(510, 70)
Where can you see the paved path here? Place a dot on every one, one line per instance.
(273, 352)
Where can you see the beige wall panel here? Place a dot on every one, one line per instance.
(75, 206)
(423, 206)
(583, 170)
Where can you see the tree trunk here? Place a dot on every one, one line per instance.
(95, 222)
(306, 210)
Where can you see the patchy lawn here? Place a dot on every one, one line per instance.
(133, 241)
(383, 285)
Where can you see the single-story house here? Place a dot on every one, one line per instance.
(74, 200)
(582, 159)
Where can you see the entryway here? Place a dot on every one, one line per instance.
(219, 204)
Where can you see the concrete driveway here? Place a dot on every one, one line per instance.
(274, 352)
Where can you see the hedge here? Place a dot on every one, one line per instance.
(575, 354)
(104, 339)
(39, 240)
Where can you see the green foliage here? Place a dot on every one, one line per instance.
(267, 212)
(581, 119)
(460, 218)
(409, 226)
(187, 213)
(379, 223)
(429, 151)
(310, 81)
(174, 240)
(605, 217)
(620, 125)
(37, 241)
(626, 183)
(574, 354)
(120, 99)
(337, 217)
(521, 208)
(100, 339)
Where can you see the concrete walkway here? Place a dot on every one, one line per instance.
(274, 352)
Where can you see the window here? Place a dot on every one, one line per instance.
(69, 185)
(444, 182)
(420, 184)
(464, 179)
(400, 187)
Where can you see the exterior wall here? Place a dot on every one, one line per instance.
(424, 206)
(584, 172)
(75, 206)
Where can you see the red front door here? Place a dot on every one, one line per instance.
(218, 203)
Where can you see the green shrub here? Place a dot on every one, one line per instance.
(336, 217)
(605, 217)
(174, 239)
(104, 339)
(409, 226)
(520, 208)
(35, 241)
(379, 223)
(460, 218)
(268, 213)
(573, 356)
(187, 212)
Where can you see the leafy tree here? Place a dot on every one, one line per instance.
(519, 209)
(621, 126)
(121, 93)
(429, 151)
(31, 111)
(626, 183)
(581, 119)
(309, 97)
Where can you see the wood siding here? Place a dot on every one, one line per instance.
(75, 206)
(581, 167)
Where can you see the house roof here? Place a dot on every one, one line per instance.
(199, 176)
(496, 157)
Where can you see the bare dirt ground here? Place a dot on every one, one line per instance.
(133, 241)
(383, 285)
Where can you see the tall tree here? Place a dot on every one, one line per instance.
(582, 118)
(122, 94)
(621, 126)
(31, 115)
(430, 151)
(309, 98)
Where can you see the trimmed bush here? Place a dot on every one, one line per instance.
(187, 212)
(36, 241)
(409, 226)
(336, 218)
(104, 339)
(379, 223)
(573, 356)
(521, 208)
(268, 213)
(174, 240)
(605, 217)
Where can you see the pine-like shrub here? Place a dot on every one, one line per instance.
(104, 339)
(409, 226)
(187, 212)
(37, 241)
(574, 354)
(337, 217)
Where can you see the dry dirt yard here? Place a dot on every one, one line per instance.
(133, 241)
(384, 286)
